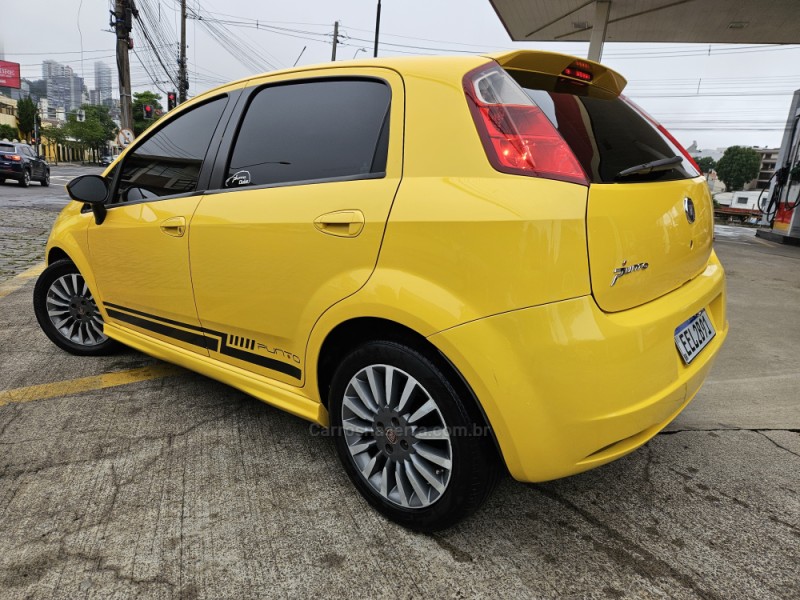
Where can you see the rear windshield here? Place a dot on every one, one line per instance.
(607, 135)
(7, 148)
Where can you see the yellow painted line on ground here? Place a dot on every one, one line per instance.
(87, 384)
(16, 282)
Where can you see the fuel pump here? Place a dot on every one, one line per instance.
(778, 205)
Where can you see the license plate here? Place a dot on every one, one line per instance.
(694, 335)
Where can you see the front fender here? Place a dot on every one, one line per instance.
(70, 235)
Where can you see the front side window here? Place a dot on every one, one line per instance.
(312, 130)
(169, 161)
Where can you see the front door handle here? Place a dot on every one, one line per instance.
(174, 226)
(341, 223)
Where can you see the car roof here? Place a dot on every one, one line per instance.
(445, 66)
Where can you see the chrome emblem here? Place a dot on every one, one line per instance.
(688, 208)
(391, 435)
(620, 272)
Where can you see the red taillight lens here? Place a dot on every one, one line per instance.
(517, 135)
(664, 132)
(14, 157)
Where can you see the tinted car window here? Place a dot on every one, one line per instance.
(606, 134)
(169, 161)
(312, 130)
(7, 148)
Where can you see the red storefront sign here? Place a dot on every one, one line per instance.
(9, 74)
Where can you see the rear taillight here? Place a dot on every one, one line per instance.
(664, 132)
(14, 157)
(516, 134)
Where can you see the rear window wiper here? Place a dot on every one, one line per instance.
(662, 164)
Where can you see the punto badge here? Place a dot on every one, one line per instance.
(620, 272)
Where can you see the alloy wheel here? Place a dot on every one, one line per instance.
(73, 311)
(396, 436)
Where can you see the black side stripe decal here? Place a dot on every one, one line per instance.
(197, 338)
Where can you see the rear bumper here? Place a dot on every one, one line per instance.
(11, 171)
(567, 387)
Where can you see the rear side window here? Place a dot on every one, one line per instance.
(169, 161)
(606, 134)
(312, 130)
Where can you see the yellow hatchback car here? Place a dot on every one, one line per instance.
(452, 263)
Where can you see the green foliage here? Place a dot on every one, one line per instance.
(706, 163)
(26, 116)
(139, 100)
(738, 166)
(55, 135)
(7, 132)
(94, 131)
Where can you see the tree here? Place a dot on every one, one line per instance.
(26, 116)
(102, 116)
(94, 132)
(139, 101)
(7, 132)
(738, 166)
(706, 163)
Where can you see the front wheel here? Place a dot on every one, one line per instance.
(67, 312)
(406, 439)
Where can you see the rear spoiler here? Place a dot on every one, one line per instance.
(562, 65)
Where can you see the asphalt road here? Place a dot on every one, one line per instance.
(26, 215)
(123, 477)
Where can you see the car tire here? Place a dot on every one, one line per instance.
(417, 454)
(46, 179)
(25, 180)
(67, 312)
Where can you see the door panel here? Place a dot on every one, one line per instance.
(142, 270)
(268, 261)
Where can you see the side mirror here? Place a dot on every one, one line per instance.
(91, 190)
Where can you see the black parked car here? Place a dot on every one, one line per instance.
(20, 162)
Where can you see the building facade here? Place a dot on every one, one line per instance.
(65, 90)
(103, 81)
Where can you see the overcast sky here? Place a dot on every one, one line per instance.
(717, 95)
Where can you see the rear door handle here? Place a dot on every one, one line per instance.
(174, 226)
(341, 223)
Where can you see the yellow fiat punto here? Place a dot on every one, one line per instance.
(453, 264)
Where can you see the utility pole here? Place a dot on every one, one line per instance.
(335, 39)
(183, 81)
(377, 28)
(121, 22)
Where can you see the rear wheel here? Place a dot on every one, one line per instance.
(406, 438)
(67, 312)
(25, 180)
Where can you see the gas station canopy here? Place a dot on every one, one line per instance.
(698, 21)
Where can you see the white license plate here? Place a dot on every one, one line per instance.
(694, 335)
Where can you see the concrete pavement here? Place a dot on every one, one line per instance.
(164, 484)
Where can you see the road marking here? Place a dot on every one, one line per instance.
(16, 282)
(87, 384)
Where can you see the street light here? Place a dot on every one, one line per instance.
(359, 50)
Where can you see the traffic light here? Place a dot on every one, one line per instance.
(171, 100)
(148, 111)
